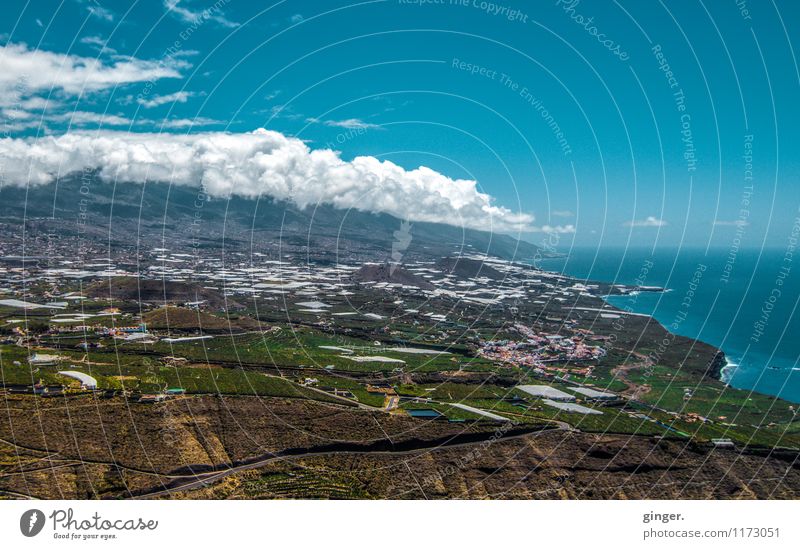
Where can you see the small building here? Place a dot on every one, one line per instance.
(381, 387)
(40, 359)
(478, 411)
(141, 337)
(86, 345)
(722, 443)
(572, 407)
(87, 381)
(592, 394)
(546, 391)
(151, 399)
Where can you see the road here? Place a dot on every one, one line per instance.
(202, 480)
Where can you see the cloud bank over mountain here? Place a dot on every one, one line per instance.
(259, 164)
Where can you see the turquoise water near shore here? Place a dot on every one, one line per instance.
(745, 303)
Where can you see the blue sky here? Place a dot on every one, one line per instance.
(589, 134)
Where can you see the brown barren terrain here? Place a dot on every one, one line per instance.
(246, 447)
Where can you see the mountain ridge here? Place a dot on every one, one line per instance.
(156, 213)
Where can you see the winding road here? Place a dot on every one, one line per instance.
(201, 480)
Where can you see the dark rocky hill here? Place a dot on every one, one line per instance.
(182, 319)
(463, 267)
(158, 291)
(394, 274)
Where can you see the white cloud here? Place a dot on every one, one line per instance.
(558, 229)
(349, 123)
(16, 114)
(284, 111)
(562, 213)
(177, 97)
(95, 40)
(79, 118)
(24, 72)
(16, 120)
(178, 123)
(736, 223)
(71, 118)
(38, 104)
(260, 163)
(185, 53)
(100, 43)
(651, 221)
(198, 17)
(101, 13)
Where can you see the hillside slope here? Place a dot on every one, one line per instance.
(158, 214)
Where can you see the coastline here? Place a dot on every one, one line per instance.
(728, 371)
(703, 308)
(720, 368)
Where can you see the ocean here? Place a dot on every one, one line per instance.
(745, 303)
